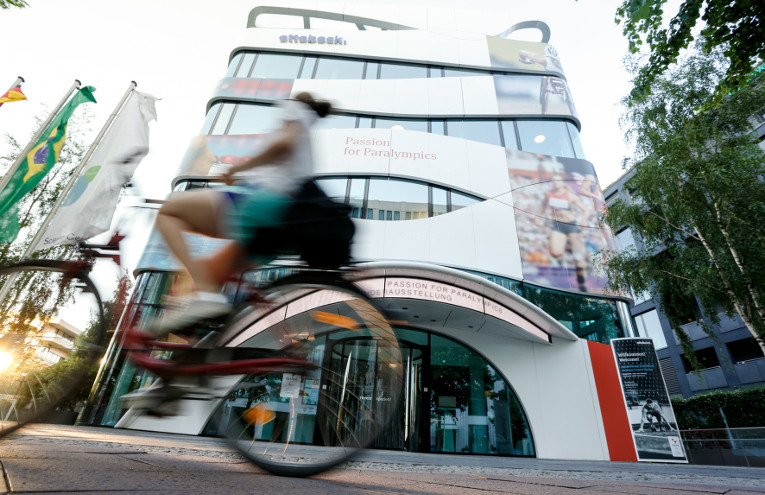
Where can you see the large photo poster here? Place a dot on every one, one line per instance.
(654, 427)
(533, 95)
(558, 211)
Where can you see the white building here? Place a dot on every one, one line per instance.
(461, 158)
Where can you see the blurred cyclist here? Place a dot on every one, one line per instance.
(237, 212)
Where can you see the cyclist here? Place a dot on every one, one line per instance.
(237, 212)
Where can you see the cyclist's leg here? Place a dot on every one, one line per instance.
(191, 211)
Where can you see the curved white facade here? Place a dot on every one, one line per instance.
(461, 158)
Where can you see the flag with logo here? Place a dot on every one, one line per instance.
(13, 94)
(36, 164)
(89, 207)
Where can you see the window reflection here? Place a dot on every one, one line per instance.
(253, 119)
(402, 71)
(372, 70)
(356, 197)
(223, 119)
(334, 188)
(548, 137)
(401, 124)
(508, 133)
(451, 72)
(339, 68)
(244, 68)
(397, 199)
(309, 64)
(483, 131)
(393, 199)
(440, 201)
(577, 143)
(459, 201)
(334, 121)
(472, 410)
(545, 137)
(234, 65)
(276, 66)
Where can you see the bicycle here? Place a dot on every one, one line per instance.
(289, 402)
(293, 410)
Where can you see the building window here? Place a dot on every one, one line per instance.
(253, 119)
(243, 70)
(397, 195)
(545, 137)
(335, 121)
(339, 68)
(402, 71)
(401, 124)
(439, 201)
(649, 326)
(744, 350)
(483, 131)
(395, 199)
(276, 66)
(536, 136)
(706, 357)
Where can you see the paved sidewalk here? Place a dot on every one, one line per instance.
(64, 459)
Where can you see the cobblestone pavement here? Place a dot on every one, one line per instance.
(62, 459)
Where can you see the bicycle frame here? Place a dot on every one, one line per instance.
(140, 344)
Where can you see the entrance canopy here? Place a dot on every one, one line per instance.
(434, 297)
(424, 296)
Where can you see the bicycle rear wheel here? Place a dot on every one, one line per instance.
(52, 337)
(305, 421)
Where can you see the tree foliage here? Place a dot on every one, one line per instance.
(697, 198)
(37, 297)
(735, 26)
(6, 4)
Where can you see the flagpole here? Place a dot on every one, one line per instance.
(42, 230)
(36, 138)
(6, 288)
(17, 84)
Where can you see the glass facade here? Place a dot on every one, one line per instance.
(550, 137)
(383, 198)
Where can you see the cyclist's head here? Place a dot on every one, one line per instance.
(321, 107)
(649, 401)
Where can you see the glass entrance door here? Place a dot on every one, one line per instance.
(358, 358)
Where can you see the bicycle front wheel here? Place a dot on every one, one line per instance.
(300, 422)
(53, 331)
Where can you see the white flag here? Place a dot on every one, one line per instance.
(89, 207)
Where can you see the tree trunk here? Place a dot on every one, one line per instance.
(737, 303)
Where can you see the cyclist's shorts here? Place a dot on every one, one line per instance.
(247, 210)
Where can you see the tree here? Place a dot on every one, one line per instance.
(35, 298)
(6, 4)
(698, 197)
(735, 26)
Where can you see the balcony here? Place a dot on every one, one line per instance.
(57, 341)
(707, 379)
(752, 371)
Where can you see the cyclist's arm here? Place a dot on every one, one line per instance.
(279, 149)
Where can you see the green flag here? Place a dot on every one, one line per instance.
(38, 162)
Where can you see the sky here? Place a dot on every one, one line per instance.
(177, 50)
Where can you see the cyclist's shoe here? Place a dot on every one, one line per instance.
(187, 311)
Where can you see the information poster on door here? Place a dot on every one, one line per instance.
(654, 427)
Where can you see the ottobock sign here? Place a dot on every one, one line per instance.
(309, 38)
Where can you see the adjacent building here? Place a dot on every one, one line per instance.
(730, 357)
